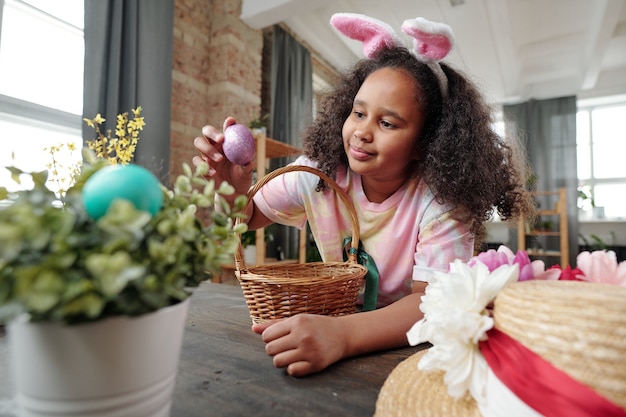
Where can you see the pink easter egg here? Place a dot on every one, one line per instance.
(239, 145)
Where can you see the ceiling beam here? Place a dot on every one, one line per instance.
(602, 25)
(319, 35)
(506, 49)
(259, 14)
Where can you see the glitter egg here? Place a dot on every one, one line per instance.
(239, 145)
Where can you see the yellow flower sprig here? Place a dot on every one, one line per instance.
(61, 175)
(121, 148)
(116, 150)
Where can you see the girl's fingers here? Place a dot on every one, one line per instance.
(207, 150)
(211, 133)
(229, 121)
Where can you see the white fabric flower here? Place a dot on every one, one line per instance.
(456, 319)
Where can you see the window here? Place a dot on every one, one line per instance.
(601, 146)
(41, 82)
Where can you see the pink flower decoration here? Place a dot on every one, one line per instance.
(568, 274)
(505, 256)
(491, 258)
(601, 267)
(597, 266)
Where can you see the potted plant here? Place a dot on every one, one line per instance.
(248, 242)
(95, 303)
(260, 124)
(585, 198)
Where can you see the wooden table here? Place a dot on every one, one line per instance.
(224, 370)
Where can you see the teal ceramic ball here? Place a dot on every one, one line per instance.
(130, 182)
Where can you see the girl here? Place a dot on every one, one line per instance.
(410, 140)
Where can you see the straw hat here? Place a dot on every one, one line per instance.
(577, 327)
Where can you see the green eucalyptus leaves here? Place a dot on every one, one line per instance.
(58, 264)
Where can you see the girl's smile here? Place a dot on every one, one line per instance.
(359, 153)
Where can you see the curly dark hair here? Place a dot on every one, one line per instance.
(462, 159)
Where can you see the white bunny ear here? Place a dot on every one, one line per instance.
(432, 40)
(374, 34)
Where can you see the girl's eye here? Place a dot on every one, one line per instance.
(386, 124)
(358, 114)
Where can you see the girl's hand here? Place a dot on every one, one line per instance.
(304, 343)
(221, 169)
(307, 343)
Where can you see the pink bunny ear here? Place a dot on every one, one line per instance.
(374, 34)
(433, 41)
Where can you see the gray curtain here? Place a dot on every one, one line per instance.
(548, 130)
(128, 63)
(291, 109)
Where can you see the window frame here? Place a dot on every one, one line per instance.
(592, 182)
(27, 109)
(32, 115)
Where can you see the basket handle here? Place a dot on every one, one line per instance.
(239, 258)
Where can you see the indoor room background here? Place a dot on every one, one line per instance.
(188, 63)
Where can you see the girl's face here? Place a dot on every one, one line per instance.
(380, 135)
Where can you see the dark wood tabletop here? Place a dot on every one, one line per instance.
(224, 370)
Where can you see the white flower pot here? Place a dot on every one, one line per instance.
(115, 367)
(249, 254)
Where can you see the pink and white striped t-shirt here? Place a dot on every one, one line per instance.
(409, 235)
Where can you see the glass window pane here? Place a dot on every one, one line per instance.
(609, 125)
(583, 150)
(499, 128)
(45, 65)
(612, 198)
(582, 128)
(28, 143)
(71, 11)
(583, 158)
(608, 160)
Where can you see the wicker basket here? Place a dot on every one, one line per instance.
(283, 290)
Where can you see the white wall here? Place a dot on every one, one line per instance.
(604, 229)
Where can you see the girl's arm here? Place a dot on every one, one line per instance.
(381, 329)
(308, 343)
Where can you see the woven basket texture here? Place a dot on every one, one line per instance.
(282, 290)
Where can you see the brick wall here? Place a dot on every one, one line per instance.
(216, 71)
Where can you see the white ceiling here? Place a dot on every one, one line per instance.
(514, 49)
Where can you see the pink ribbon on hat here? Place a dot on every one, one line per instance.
(541, 385)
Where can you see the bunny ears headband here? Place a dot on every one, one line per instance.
(432, 41)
